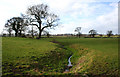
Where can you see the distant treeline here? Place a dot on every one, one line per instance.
(62, 35)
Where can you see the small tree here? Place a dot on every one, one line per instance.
(32, 31)
(109, 33)
(78, 29)
(46, 33)
(15, 24)
(18, 24)
(41, 17)
(92, 33)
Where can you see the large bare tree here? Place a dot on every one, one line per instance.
(41, 17)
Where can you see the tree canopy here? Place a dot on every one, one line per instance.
(41, 17)
(17, 24)
(109, 33)
(93, 32)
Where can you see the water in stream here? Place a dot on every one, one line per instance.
(69, 65)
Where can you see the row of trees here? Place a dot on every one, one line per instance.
(92, 32)
(37, 15)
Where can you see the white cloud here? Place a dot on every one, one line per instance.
(102, 23)
(108, 21)
(72, 13)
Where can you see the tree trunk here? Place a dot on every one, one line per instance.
(32, 35)
(79, 34)
(93, 35)
(48, 35)
(20, 33)
(40, 32)
(16, 34)
(9, 34)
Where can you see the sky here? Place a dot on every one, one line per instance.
(100, 15)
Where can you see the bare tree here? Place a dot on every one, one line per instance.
(42, 19)
(46, 33)
(17, 24)
(92, 32)
(32, 31)
(78, 29)
(109, 33)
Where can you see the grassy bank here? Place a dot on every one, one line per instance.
(93, 56)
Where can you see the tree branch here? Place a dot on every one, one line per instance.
(34, 24)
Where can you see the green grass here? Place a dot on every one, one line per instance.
(32, 57)
(22, 47)
(91, 56)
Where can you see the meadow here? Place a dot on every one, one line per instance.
(49, 56)
(93, 56)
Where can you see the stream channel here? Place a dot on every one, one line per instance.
(69, 62)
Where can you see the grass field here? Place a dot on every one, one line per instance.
(90, 56)
(32, 57)
(93, 56)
